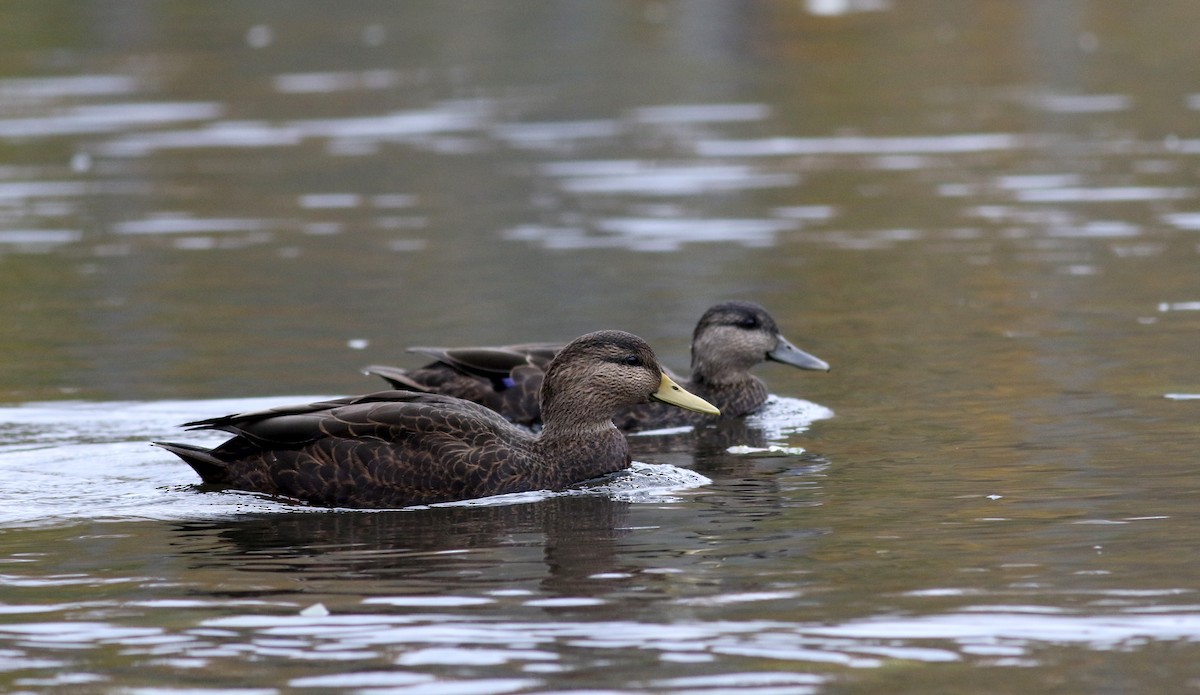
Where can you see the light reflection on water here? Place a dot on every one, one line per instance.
(507, 637)
(49, 88)
(653, 178)
(659, 179)
(107, 118)
(995, 247)
(944, 144)
(652, 234)
(417, 637)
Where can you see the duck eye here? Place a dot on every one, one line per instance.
(749, 323)
(632, 360)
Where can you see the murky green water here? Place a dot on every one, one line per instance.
(984, 215)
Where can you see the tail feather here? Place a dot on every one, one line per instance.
(209, 467)
(398, 378)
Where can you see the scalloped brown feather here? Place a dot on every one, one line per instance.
(399, 448)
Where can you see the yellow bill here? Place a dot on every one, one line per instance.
(670, 392)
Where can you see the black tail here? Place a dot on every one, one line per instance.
(210, 468)
(398, 378)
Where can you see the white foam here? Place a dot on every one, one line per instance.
(783, 415)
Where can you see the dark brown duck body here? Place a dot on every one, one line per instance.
(506, 379)
(729, 340)
(400, 448)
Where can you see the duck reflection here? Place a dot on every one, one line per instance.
(553, 545)
(707, 449)
(702, 443)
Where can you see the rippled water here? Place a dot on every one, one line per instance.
(984, 215)
(103, 466)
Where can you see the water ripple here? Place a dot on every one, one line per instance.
(1082, 103)
(450, 117)
(67, 86)
(182, 224)
(19, 191)
(38, 239)
(326, 82)
(702, 113)
(551, 135)
(1102, 195)
(1189, 221)
(107, 118)
(867, 643)
(857, 145)
(655, 179)
(230, 134)
(654, 234)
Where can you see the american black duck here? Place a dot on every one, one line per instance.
(730, 339)
(400, 448)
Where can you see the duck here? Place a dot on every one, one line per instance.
(730, 339)
(400, 448)
(506, 379)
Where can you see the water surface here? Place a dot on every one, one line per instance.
(983, 215)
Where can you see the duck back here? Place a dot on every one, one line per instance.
(391, 449)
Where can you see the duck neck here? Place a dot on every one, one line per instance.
(586, 449)
(577, 430)
(709, 375)
(736, 394)
(567, 420)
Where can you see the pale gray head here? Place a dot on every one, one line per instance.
(732, 337)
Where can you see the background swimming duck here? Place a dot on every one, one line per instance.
(399, 448)
(506, 379)
(730, 339)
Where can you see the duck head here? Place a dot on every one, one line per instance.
(732, 337)
(600, 373)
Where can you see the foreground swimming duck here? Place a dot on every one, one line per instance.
(730, 339)
(400, 448)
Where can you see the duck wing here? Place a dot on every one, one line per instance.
(294, 425)
(388, 449)
(493, 363)
(506, 379)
